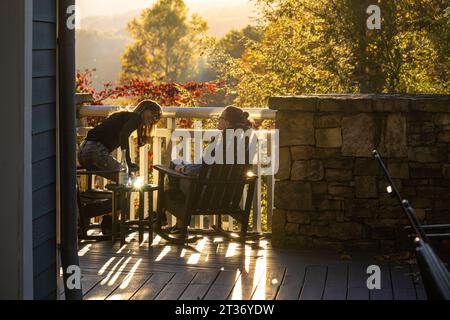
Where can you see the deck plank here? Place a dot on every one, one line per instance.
(358, 294)
(199, 286)
(336, 283)
(153, 286)
(128, 287)
(402, 283)
(176, 286)
(88, 282)
(292, 284)
(314, 285)
(385, 293)
(269, 284)
(221, 288)
(357, 282)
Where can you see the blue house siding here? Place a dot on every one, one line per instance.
(44, 148)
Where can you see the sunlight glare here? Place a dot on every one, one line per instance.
(130, 275)
(259, 278)
(121, 249)
(119, 272)
(248, 253)
(106, 265)
(163, 253)
(84, 250)
(156, 240)
(237, 290)
(144, 239)
(110, 273)
(195, 257)
(231, 251)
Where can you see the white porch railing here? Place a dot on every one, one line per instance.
(161, 149)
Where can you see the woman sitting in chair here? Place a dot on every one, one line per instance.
(231, 118)
(114, 132)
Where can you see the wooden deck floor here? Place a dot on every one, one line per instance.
(226, 270)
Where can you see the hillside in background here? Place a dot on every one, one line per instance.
(101, 40)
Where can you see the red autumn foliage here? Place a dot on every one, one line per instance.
(165, 93)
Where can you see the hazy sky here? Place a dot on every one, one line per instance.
(112, 7)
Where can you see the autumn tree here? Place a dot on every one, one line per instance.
(324, 46)
(166, 43)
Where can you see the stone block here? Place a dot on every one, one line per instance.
(299, 217)
(446, 171)
(428, 154)
(336, 163)
(366, 187)
(346, 104)
(399, 170)
(291, 103)
(391, 104)
(314, 231)
(421, 127)
(432, 104)
(284, 171)
(441, 119)
(311, 170)
(393, 137)
(358, 135)
(444, 136)
(424, 171)
(347, 231)
(293, 195)
(328, 204)
(291, 229)
(328, 121)
(324, 216)
(319, 187)
(278, 225)
(326, 153)
(422, 139)
(338, 175)
(302, 153)
(329, 138)
(361, 208)
(366, 167)
(337, 189)
(298, 128)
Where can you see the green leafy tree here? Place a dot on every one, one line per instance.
(324, 46)
(166, 43)
(235, 42)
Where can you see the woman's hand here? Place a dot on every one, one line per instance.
(179, 169)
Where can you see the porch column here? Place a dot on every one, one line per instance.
(16, 249)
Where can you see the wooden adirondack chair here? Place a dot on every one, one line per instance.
(218, 190)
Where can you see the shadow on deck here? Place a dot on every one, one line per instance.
(223, 270)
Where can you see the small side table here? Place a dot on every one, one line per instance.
(124, 194)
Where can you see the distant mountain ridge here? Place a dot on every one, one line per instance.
(220, 20)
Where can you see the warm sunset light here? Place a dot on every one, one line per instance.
(202, 151)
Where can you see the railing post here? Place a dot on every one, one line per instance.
(143, 172)
(270, 200)
(257, 195)
(156, 161)
(270, 183)
(132, 195)
(171, 127)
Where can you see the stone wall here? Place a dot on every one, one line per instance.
(329, 191)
